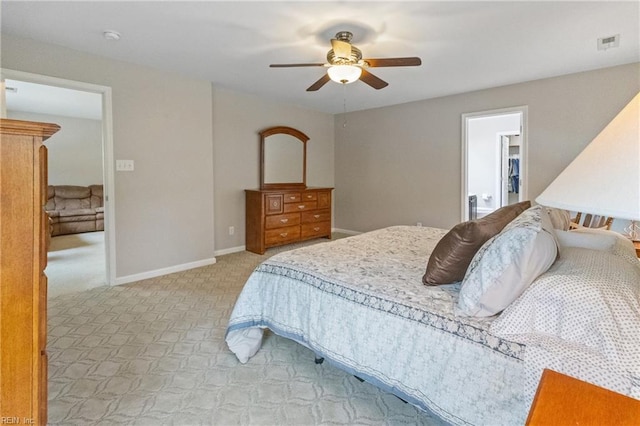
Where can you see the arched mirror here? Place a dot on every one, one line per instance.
(283, 158)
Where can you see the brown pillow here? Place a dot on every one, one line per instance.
(452, 255)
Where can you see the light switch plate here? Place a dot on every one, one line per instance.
(124, 165)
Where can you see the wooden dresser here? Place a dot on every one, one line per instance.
(283, 216)
(23, 257)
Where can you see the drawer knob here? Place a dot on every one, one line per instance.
(301, 206)
(316, 216)
(284, 234)
(309, 196)
(316, 229)
(292, 197)
(284, 220)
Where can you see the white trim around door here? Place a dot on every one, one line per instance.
(524, 170)
(107, 152)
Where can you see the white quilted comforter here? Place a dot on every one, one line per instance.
(359, 302)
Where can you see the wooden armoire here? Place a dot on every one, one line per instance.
(24, 228)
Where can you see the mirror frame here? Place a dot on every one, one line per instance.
(287, 131)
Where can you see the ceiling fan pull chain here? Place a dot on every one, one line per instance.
(344, 106)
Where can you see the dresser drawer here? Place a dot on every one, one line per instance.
(316, 216)
(281, 235)
(316, 229)
(292, 197)
(300, 207)
(282, 220)
(309, 196)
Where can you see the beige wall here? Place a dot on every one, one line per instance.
(174, 128)
(402, 164)
(162, 121)
(75, 151)
(237, 119)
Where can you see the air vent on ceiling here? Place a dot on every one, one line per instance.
(605, 43)
(111, 35)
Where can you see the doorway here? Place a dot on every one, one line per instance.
(106, 149)
(494, 160)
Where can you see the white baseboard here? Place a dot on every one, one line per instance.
(164, 271)
(243, 248)
(345, 231)
(186, 266)
(229, 250)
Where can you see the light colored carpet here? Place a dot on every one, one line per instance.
(76, 262)
(153, 352)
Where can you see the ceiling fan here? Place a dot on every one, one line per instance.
(345, 64)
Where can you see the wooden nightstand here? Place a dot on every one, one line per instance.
(636, 244)
(562, 400)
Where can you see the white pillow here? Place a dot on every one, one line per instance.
(589, 240)
(560, 219)
(507, 264)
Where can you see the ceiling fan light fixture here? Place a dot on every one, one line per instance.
(346, 65)
(344, 74)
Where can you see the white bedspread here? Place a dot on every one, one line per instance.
(582, 318)
(359, 302)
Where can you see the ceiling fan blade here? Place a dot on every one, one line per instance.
(341, 49)
(295, 65)
(394, 62)
(372, 80)
(318, 84)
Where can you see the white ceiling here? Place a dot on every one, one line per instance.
(42, 99)
(464, 46)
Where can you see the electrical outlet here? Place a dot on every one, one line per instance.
(418, 223)
(232, 230)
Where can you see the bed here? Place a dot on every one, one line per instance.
(360, 303)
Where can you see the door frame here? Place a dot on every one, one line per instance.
(501, 179)
(524, 169)
(107, 153)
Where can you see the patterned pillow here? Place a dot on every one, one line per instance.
(507, 264)
(453, 253)
(590, 298)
